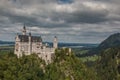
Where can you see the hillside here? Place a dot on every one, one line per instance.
(6, 42)
(111, 41)
(65, 66)
(109, 64)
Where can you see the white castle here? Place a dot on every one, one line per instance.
(28, 44)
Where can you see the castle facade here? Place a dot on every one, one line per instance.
(28, 44)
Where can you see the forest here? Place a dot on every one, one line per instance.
(64, 67)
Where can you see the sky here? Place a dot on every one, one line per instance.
(78, 21)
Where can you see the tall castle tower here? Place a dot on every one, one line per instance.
(24, 30)
(55, 42)
(30, 44)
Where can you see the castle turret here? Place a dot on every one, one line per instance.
(17, 46)
(30, 44)
(24, 30)
(55, 43)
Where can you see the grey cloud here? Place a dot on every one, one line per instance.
(88, 17)
(85, 16)
(80, 21)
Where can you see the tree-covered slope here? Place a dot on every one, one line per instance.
(111, 41)
(25, 68)
(65, 66)
(108, 66)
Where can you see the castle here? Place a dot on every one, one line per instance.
(28, 44)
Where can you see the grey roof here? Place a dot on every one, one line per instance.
(36, 39)
(25, 38)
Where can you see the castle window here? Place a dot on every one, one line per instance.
(37, 46)
(38, 53)
(16, 49)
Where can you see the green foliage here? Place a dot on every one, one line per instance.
(65, 66)
(83, 56)
(68, 67)
(89, 58)
(108, 64)
(80, 51)
(25, 68)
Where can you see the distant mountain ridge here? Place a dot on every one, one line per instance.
(112, 41)
(6, 42)
(73, 45)
(60, 44)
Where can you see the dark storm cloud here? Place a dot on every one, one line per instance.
(92, 20)
(86, 15)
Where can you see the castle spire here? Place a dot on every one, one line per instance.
(24, 30)
(55, 42)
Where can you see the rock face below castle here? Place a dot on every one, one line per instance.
(28, 44)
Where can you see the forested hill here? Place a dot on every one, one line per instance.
(109, 62)
(108, 66)
(6, 42)
(65, 66)
(111, 41)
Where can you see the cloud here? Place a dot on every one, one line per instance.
(78, 20)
